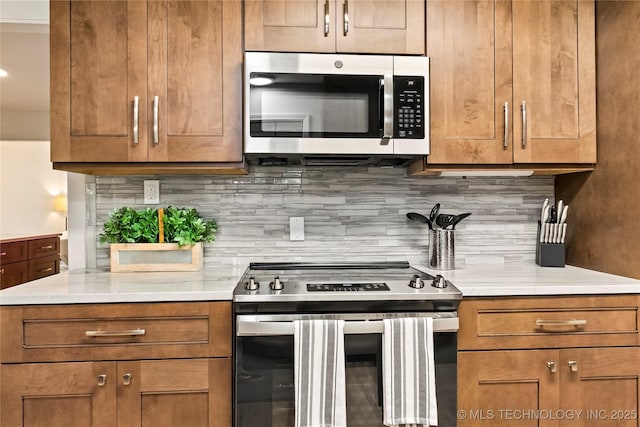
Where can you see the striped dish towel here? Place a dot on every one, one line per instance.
(320, 389)
(408, 372)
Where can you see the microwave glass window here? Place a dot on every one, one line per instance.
(315, 105)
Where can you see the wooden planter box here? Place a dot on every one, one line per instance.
(128, 257)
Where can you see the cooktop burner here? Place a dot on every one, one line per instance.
(324, 281)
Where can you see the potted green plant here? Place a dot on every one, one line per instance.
(138, 239)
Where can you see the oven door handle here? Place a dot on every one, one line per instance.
(247, 327)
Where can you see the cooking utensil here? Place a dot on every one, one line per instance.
(544, 207)
(559, 210)
(416, 217)
(459, 218)
(445, 220)
(563, 215)
(434, 212)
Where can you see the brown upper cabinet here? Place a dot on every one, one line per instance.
(350, 26)
(512, 82)
(146, 81)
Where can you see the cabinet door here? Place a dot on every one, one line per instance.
(13, 274)
(380, 26)
(554, 73)
(195, 70)
(58, 395)
(98, 66)
(603, 384)
(494, 382)
(290, 25)
(172, 393)
(469, 43)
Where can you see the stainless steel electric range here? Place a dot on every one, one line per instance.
(270, 296)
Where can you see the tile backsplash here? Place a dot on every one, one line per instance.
(349, 214)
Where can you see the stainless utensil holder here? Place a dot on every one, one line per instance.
(441, 249)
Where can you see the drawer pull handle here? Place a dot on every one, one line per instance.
(2, 271)
(44, 270)
(573, 365)
(126, 379)
(128, 333)
(574, 322)
(3, 253)
(46, 247)
(553, 367)
(102, 380)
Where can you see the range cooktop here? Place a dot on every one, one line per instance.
(291, 281)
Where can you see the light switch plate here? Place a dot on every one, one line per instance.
(296, 228)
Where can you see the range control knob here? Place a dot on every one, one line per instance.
(276, 285)
(251, 285)
(416, 282)
(439, 282)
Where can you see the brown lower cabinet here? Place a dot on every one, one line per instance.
(159, 393)
(23, 259)
(534, 385)
(142, 387)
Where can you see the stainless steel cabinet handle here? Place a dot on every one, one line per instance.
(102, 380)
(126, 379)
(506, 124)
(156, 101)
(524, 124)
(135, 119)
(44, 270)
(346, 17)
(553, 367)
(574, 322)
(3, 253)
(573, 365)
(46, 247)
(387, 127)
(1, 270)
(127, 333)
(326, 18)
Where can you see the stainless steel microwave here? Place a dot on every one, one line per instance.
(335, 108)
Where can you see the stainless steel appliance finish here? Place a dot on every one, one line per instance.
(255, 285)
(361, 294)
(323, 107)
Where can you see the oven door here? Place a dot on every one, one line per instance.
(264, 386)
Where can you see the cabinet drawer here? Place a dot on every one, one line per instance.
(550, 322)
(43, 267)
(13, 274)
(44, 247)
(115, 331)
(13, 251)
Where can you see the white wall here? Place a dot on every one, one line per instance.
(28, 186)
(24, 11)
(24, 125)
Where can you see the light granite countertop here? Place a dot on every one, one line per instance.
(216, 284)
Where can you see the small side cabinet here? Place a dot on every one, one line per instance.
(576, 359)
(28, 258)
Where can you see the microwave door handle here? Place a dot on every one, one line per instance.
(387, 127)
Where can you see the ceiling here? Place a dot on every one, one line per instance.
(24, 54)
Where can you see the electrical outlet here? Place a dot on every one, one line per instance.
(151, 192)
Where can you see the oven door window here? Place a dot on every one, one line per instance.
(264, 394)
(316, 106)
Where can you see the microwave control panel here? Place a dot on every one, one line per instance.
(408, 104)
